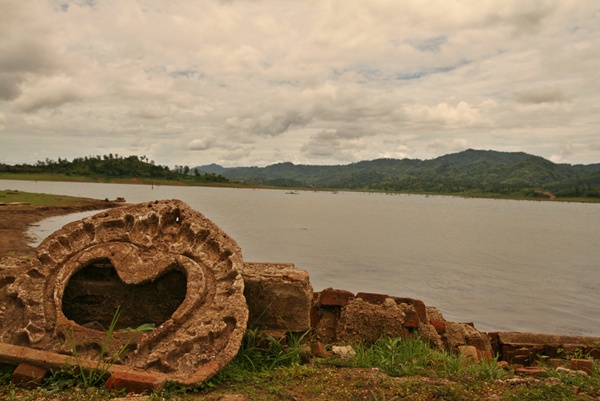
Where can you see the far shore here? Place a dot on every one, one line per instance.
(542, 195)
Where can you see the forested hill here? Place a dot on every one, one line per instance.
(470, 171)
(110, 167)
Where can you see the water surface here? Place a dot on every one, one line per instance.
(504, 265)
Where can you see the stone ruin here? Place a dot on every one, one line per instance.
(161, 262)
(164, 264)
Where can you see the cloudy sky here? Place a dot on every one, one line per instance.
(253, 82)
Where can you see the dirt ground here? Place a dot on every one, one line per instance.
(16, 219)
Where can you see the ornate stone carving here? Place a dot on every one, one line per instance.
(161, 262)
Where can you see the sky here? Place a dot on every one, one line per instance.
(257, 82)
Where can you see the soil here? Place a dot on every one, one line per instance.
(15, 220)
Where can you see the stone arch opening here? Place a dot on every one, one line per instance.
(94, 293)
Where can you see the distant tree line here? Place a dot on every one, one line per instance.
(467, 172)
(114, 166)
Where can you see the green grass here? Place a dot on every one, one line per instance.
(267, 368)
(8, 196)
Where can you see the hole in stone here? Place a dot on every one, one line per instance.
(94, 293)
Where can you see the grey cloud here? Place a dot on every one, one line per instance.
(9, 86)
(542, 94)
(332, 144)
(432, 44)
(525, 19)
(151, 111)
(266, 123)
(51, 98)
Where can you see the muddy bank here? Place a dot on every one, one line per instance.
(16, 219)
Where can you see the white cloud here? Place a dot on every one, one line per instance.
(204, 143)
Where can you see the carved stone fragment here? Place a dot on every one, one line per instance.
(161, 263)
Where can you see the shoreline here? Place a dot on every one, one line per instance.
(15, 220)
(137, 181)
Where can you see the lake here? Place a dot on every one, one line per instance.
(502, 264)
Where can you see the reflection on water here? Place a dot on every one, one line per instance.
(505, 265)
(39, 231)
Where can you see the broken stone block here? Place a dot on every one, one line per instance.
(363, 321)
(325, 329)
(279, 296)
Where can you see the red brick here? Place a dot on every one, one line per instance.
(552, 350)
(133, 382)
(331, 297)
(419, 306)
(318, 349)
(582, 364)
(592, 352)
(411, 320)
(375, 299)
(440, 326)
(28, 376)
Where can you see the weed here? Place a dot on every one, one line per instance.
(488, 369)
(398, 356)
(91, 376)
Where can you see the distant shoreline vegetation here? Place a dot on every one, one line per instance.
(473, 173)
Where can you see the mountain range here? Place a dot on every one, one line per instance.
(469, 171)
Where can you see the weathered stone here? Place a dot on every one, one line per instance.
(458, 334)
(343, 351)
(279, 296)
(429, 334)
(160, 262)
(468, 354)
(360, 320)
(325, 330)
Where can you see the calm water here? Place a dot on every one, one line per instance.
(505, 265)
